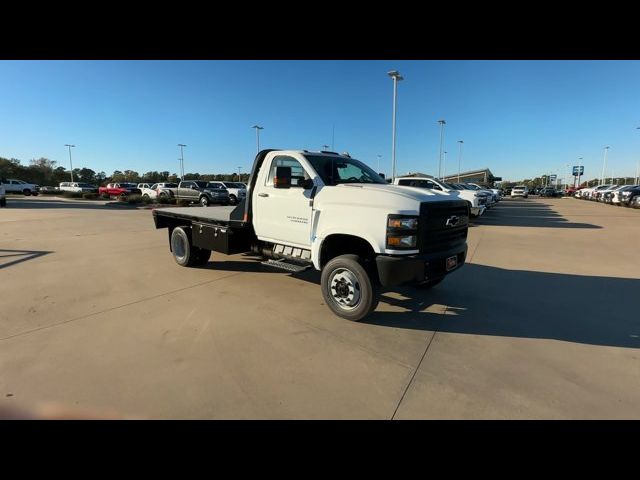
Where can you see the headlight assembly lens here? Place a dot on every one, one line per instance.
(407, 241)
(403, 223)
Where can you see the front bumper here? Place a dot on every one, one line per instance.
(398, 270)
(478, 211)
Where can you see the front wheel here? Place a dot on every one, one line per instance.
(204, 201)
(26, 192)
(233, 200)
(347, 288)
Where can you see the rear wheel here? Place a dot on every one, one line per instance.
(3, 202)
(184, 253)
(26, 192)
(347, 288)
(204, 201)
(233, 199)
(145, 197)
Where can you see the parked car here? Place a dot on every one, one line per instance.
(598, 195)
(3, 196)
(635, 202)
(520, 191)
(616, 196)
(200, 191)
(627, 198)
(237, 191)
(477, 202)
(13, 185)
(548, 192)
(49, 189)
(77, 187)
(494, 192)
(141, 186)
(483, 193)
(119, 190)
(165, 189)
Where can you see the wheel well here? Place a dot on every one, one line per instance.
(340, 244)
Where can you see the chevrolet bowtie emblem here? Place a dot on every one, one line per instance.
(452, 221)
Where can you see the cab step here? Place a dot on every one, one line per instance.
(288, 266)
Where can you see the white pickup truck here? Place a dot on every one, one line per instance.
(333, 213)
(477, 203)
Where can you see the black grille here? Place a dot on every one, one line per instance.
(435, 234)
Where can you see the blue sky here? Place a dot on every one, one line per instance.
(519, 118)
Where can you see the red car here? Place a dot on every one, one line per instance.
(119, 189)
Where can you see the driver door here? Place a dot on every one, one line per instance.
(283, 215)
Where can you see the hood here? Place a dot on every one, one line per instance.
(390, 198)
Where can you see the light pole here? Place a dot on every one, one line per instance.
(379, 157)
(181, 145)
(70, 163)
(444, 166)
(258, 128)
(442, 124)
(326, 147)
(604, 163)
(239, 178)
(396, 78)
(459, 158)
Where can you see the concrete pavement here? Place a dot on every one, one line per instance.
(540, 323)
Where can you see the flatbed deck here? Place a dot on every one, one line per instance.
(215, 214)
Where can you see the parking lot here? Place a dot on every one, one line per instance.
(542, 322)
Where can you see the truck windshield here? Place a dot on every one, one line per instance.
(335, 170)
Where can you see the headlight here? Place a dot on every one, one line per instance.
(402, 232)
(407, 241)
(403, 223)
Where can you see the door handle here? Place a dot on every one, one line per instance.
(263, 194)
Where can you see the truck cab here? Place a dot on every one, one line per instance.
(333, 213)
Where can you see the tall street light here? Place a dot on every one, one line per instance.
(239, 173)
(379, 157)
(396, 78)
(459, 158)
(604, 164)
(181, 145)
(70, 163)
(258, 128)
(444, 165)
(442, 124)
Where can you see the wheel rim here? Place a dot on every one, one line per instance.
(178, 246)
(204, 201)
(344, 288)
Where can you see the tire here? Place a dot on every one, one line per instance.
(3, 202)
(430, 283)
(184, 253)
(204, 201)
(233, 200)
(145, 197)
(26, 192)
(346, 272)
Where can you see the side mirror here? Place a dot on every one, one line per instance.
(305, 183)
(282, 178)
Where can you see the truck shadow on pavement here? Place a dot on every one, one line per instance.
(9, 258)
(524, 213)
(483, 300)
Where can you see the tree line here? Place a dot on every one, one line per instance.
(43, 171)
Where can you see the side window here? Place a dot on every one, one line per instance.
(297, 172)
(154, 186)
